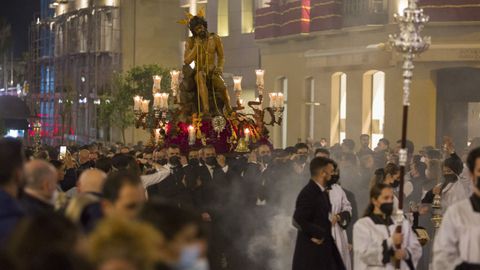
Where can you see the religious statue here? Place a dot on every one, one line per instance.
(203, 87)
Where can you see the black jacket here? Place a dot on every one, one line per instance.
(33, 206)
(311, 217)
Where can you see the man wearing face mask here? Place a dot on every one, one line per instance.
(451, 190)
(172, 187)
(300, 160)
(212, 203)
(457, 244)
(315, 247)
(160, 156)
(341, 215)
(257, 176)
(182, 249)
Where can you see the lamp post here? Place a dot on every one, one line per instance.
(409, 43)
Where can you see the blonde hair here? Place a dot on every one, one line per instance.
(137, 243)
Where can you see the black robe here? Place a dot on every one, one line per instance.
(311, 219)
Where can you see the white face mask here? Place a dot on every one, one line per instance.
(201, 264)
(188, 258)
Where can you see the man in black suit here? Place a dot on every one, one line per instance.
(315, 247)
(172, 188)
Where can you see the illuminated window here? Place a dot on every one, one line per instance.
(262, 3)
(247, 16)
(284, 90)
(222, 18)
(401, 5)
(310, 107)
(343, 106)
(338, 108)
(373, 112)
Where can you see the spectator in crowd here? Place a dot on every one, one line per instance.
(123, 195)
(84, 161)
(180, 228)
(11, 182)
(364, 145)
(104, 164)
(127, 245)
(85, 208)
(47, 242)
(381, 152)
(322, 152)
(40, 188)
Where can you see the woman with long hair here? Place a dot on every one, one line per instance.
(390, 176)
(375, 238)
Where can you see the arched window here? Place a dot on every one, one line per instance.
(247, 16)
(338, 108)
(373, 112)
(222, 18)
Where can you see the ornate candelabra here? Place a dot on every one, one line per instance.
(157, 118)
(409, 43)
(437, 212)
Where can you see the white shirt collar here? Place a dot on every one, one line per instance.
(322, 188)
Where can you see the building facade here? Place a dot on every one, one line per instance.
(330, 60)
(74, 53)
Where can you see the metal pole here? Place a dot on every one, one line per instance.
(410, 44)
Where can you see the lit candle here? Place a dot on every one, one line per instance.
(175, 74)
(260, 73)
(281, 100)
(237, 83)
(157, 101)
(247, 134)
(164, 100)
(191, 135)
(145, 104)
(137, 100)
(157, 80)
(273, 99)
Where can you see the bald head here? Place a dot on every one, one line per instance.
(84, 156)
(38, 171)
(91, 180)
(41, 179)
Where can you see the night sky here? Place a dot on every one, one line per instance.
(20, 13)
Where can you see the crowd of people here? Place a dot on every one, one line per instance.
(120, 207)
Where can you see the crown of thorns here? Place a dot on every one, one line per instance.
(189, 16)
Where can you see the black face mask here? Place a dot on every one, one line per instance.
(450, 178)
(301, 159)
(333, 180)
(194, 162)
(395, 184)
(162, 161)
(265, 159)
(387, 208)
(211, 161)
(174, 161)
